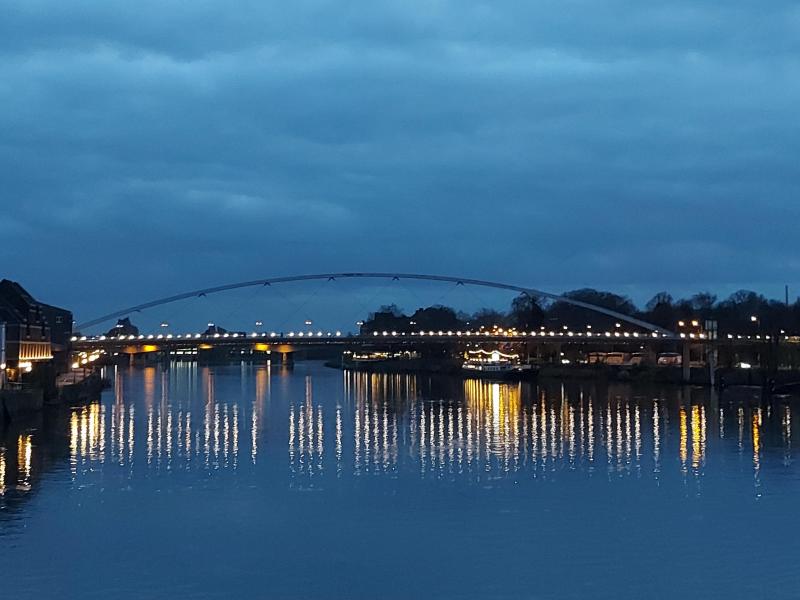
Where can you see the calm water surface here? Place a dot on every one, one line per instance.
(257, 482)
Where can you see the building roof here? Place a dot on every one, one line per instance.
(15, 302)
(17, 306)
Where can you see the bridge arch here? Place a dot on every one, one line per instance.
(377, 275)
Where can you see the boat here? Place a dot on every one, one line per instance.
(493, 364)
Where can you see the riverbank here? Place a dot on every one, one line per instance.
(21, 403)
(673, 375)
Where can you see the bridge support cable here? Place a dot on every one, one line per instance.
(369, 305)
(415, 276)
(303, 304)
(418, 299)
(445, 294)
(234, 312)
(283, 296)
(481, 300)
(167, 318)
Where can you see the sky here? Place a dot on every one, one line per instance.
(152, 147)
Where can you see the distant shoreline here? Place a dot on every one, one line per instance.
(638, 374)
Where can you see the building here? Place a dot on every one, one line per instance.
(34, 332)
(123, 327)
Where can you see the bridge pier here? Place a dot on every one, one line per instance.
(712, 360)
(145, 358)
(210, 355)
(686, 363)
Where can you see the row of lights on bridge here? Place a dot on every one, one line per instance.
(320, 334)
(337, 334)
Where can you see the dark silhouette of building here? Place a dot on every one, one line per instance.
(214, 329)
(35, 333)
(123, 327)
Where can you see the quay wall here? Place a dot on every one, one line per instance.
(16, 403)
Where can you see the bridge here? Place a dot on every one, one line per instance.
(634, 335)
(287, 342)
(282, 343)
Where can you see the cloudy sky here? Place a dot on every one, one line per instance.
(149, 147)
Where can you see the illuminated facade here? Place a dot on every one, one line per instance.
(34, 332)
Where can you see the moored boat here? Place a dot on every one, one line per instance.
(495, 365)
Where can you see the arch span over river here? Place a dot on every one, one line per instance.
(376, 275)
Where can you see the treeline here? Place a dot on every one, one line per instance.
(742, 312)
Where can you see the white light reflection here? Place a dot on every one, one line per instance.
(482, 430)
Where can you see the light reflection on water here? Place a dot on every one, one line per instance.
(387, 424)
(187, 427)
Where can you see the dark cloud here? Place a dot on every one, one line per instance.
(157, 146)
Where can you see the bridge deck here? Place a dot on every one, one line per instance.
(310, 339)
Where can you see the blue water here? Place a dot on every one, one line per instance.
(257, 482)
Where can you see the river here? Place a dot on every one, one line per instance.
(251, 481)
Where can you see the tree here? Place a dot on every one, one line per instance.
(488, 318)
(436, 318)
(392, 309)
(703, 303)
(388, 318)
(736, 313)
(661, 310)
(526, 313)
(615, 302)
(661, 298)
(563, 313)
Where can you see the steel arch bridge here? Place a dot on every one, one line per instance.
(534, 293)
